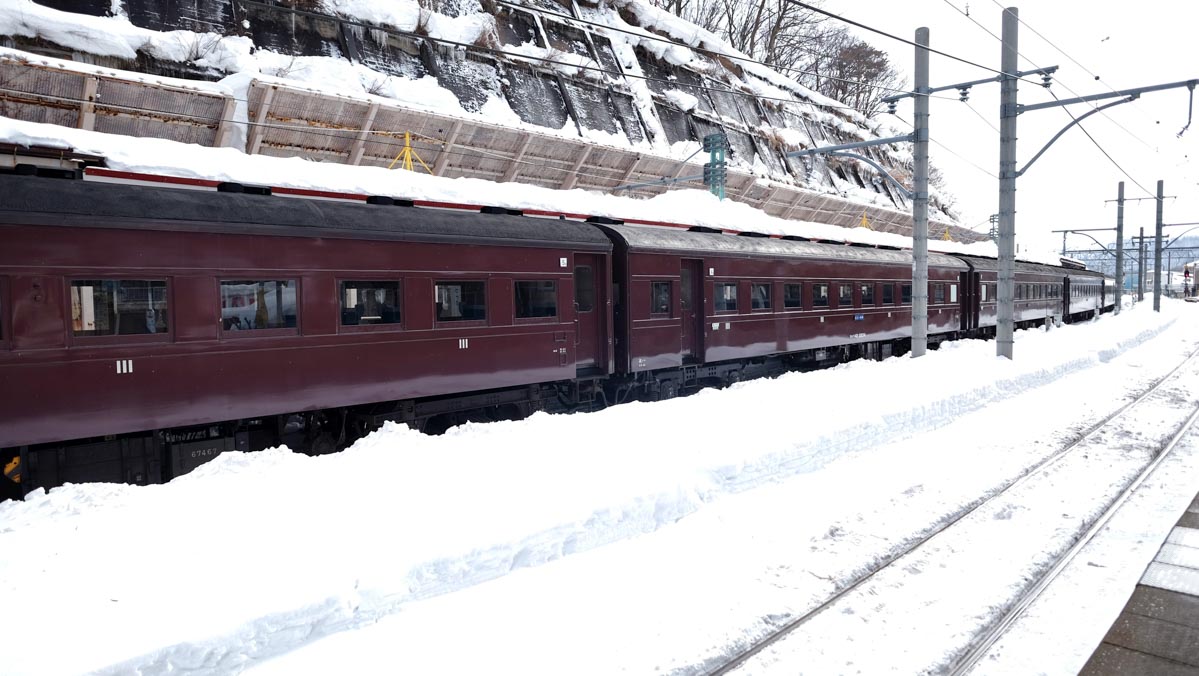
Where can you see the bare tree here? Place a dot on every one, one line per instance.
(799, 43)
(851, 71)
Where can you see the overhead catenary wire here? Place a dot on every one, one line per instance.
(1105, 153)
(1057, 79)
(904, 40)
(951, 151)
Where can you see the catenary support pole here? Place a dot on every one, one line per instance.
(1157, 251)
(920, 200)
(1141, 267)
(1119, 247)
(1005, 330)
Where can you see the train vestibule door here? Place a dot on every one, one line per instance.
(590, 310)
(691, 306)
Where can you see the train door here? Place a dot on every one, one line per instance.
(1067, 293)
(691, 303)
(589, 312)
(969, 300)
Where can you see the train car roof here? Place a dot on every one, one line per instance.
(26, 200)
(992, 265)
(658, 239)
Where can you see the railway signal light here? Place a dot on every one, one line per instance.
(715, 174)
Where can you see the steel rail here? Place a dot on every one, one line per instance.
(777, 635)
(1031, 593)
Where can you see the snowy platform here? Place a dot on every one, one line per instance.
(1158, 630)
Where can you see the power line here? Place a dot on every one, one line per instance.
(1105, 153)
(953, 152)
(981, 117)
(904, 40)
(1064, 86)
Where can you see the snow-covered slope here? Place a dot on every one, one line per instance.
(626, 76)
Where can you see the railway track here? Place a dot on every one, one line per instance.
(967, 656)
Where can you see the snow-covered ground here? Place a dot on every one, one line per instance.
(645, 538)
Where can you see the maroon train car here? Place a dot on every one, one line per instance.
(218, 318)
(710, 307)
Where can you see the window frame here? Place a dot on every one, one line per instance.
(769, 300)
(367, 328)
(574, 281)
(862, 288)
(906, 290)
(841, 287)
(542, 319)
(261, 333)
(73, 340)
(800, 306)
(654, 286)
(717, 297)
(888, 286)
(438, 322)
(828, 295)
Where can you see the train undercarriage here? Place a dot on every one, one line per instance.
(157, 456)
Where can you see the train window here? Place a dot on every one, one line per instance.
(118, 307)
(1019, 291)
(537, 299)
(953, 293)
(255, 304)
(845, 295)
(905, 295)
(888, 294)
(820, 295)
(461, 301)
(369, 302)
(983, 289)
(726, 296)
(685, 289)
(938, 293)
(659, 303)
(584, 288)
(793, 296)
(867, 294)
(759, 296)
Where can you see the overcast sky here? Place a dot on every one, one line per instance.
(1125, 44)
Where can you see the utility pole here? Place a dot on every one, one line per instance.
(920, 200)
(1005, 329)
(1157, 253)
(1120, 247)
